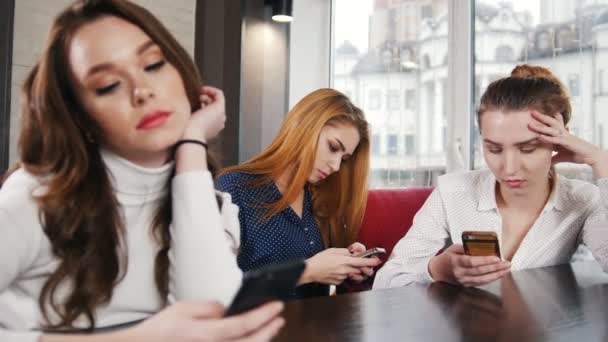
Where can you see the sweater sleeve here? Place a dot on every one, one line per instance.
(203, 264)
(595, 231)
(13, 336)
(18, 249)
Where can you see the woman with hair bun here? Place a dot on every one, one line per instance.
(540, 218)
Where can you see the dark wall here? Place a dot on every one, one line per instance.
(7, 14)
(217, 52)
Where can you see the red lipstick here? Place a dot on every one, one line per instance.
(153, 120)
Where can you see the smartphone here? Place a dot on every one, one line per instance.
(265, 284)
(372, 252)
(480, 243)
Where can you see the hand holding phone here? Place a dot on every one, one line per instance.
(266, 284)
(372, 252)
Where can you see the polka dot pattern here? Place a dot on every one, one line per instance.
(282, 237)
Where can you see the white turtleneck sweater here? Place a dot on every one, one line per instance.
(204, 241)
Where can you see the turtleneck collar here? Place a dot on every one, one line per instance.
(134, 184)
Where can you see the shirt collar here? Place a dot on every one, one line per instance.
(135, 184)
(487, 194)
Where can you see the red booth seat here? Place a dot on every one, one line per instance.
(388, 216)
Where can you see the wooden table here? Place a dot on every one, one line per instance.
(560, 303)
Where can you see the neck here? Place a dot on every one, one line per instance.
(143, 159)
(532, 200)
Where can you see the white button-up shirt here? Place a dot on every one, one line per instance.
(575, 213)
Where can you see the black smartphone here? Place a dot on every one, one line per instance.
(480, 243)
(265, 284)
(372, 252)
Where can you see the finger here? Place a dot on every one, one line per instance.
(484, 279)
(363, 262)
(215, 93)
(545, 130)
(358, 277)
(347, 270)
(368, 271)
(547, 119)
(486, 269)
(267, 332)
(247, 323)
(356, 248)
(200, 310)
(474, 261)
(340, 251)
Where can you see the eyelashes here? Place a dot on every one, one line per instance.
(111, 87)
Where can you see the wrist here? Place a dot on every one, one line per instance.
(307, 275)
(600, 164)
(436, 268)
(194, 134)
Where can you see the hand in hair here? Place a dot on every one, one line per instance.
(455, 267)
(206, 123)
(334, 265)
(569, 148)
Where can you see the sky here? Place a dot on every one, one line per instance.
(352, 19)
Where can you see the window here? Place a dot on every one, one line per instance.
(374, 99)
(573, 85)
(393, 99)
(392, 144)
(410, 99)
(409, 145)
(504, 54)
(400, 73)
(376, 144)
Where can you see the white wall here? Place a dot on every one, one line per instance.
(310, 45)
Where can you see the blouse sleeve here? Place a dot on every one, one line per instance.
(203, 264)
(595, 231)
(409, 260)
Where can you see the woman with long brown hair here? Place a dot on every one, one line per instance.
(540, 217)
(112, 215)
(307, 192)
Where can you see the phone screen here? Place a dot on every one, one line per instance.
(480, 243)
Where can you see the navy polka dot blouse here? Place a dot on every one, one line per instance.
(280, 238)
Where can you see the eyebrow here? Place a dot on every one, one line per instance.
(521, 143)
(343, 148)
(107, 66)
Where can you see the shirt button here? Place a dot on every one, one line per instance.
(305, 229)
(312, 243)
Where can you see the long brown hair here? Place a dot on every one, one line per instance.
(338, 201)
(79, 211)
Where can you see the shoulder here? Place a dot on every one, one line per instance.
(233, 180)
(19, 211)
(237, 184)
(19, 189)
(468, 181)
(577, 191)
